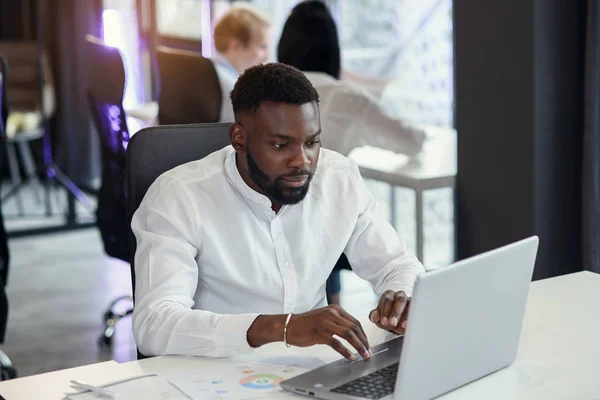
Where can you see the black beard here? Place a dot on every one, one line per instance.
(276, 190)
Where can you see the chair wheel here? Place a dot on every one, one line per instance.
(7, 373)
(105, 341)
(108, 315)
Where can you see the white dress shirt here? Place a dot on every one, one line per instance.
(212, 255)
(352, 117)
(228, 75)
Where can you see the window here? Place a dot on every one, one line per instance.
(180, 18)
(119, 21)
(408, 42)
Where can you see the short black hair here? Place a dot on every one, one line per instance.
(309, 40)
(271, 82)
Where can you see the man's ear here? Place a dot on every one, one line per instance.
(237, 137)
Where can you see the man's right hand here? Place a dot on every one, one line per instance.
(319, 326)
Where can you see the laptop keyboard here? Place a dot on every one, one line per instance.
(373, 386)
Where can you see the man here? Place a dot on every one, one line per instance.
(241, 38)
(233, 250)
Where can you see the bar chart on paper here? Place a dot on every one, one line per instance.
(234, 381)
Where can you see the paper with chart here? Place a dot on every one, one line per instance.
(233, 381)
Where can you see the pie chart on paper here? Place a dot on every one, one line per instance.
(262, 381)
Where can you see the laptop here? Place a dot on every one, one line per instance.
(465, 323)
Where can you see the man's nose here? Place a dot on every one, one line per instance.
(300, 159)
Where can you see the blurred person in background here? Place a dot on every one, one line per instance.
(241, 37)
(351, 115)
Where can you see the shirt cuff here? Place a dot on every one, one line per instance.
(231, 332)
(406, 288)
(406, 284)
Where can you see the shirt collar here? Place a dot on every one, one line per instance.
(241, 186)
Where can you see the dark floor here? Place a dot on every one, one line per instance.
(59, 287)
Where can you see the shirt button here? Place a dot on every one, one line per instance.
(285, 264)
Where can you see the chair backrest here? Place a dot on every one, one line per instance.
(106, 85)
(155, 150)
(31, 85)
(190, 92)
(106, 71)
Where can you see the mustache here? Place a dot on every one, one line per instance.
(299, 172)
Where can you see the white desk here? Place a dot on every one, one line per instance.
(559, 353)
(433, 168)
(54, 385)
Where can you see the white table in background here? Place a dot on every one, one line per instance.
(559, 353)
(433, 168)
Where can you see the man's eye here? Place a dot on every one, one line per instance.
(313, 143)
(279, 146)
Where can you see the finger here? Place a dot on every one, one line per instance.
(358, 330)
(381, 308)
(398, 309)
(387, 309)
(340, 348)
(404, 317)
(401, 328)
(343, 329)
(374, 316)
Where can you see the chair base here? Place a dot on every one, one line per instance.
(110, 321)
(74, 193)
(22, 143)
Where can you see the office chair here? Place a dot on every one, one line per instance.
(106, 85)
(153, 151)
(6, 369)
(190, 92)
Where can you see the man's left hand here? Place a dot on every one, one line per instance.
(392, 312)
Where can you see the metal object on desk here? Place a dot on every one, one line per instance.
(96, 389)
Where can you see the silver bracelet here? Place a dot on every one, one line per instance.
(287, 321)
